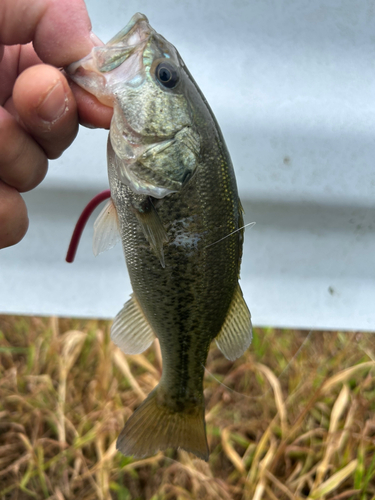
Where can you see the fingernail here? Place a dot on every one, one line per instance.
(95, 39)
(54, 104)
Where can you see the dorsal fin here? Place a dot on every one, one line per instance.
(131, 331)
(236, 333)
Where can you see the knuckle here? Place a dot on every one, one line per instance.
(14, 221)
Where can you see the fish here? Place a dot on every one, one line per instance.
(175, 206)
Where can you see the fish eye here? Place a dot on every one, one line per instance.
(167, 75)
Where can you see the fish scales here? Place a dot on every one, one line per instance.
(174, 190)
(197, 285)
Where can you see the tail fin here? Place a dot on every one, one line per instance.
(154, 427)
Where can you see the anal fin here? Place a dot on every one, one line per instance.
(236, 333)
(131, 331)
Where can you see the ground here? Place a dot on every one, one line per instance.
(293, 418)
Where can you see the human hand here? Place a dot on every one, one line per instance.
(39, 111)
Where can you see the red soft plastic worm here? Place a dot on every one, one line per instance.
(81, 223)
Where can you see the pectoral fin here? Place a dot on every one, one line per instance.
(131, 331)
(236, 333)
(106, 231)
(153, 230)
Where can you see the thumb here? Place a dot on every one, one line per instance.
(47, 108)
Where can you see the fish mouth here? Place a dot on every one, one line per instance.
(130, 40)
(137, 30)
(119, 60)
(124, 61)
(153, 156)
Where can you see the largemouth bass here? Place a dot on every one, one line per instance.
(174, 201)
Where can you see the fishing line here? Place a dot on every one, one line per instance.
(227, 387)
(302, 346)
(297, 353)
(246, 396)
(312, 331)
(250, 224)
(186, 467)
(344, 260)
(347, 251)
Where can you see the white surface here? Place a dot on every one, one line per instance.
(292, 86)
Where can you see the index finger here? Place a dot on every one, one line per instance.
(60, 29)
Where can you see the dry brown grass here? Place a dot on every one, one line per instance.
(283, 421)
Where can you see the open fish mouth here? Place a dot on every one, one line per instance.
(117, 62)
(121, 63)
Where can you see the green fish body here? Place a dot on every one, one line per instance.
(180, 219)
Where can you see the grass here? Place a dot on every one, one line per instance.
(293, 418)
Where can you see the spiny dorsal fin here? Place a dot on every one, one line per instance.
(153, 230)
(236, 333)
(106, 230)
(153, 427)
(131, 331)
